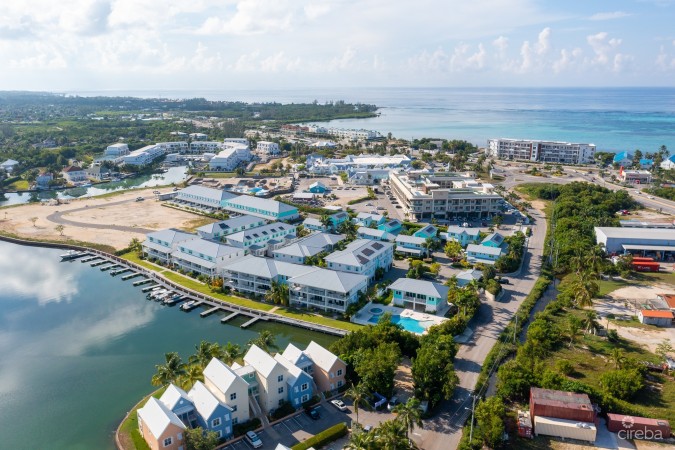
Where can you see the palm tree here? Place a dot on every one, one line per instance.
(325, 221)
(572, 328)
(583, 289)
(204, 353)
(360, 440)
(265, 340)
(429, 245)
(230, 353)
(358, 394)
(278, 293)
(135, 246)
(391, 435)
(618, 357)
(590, 322)
(594, 258)
(169, 372)
(409, 414)
(193, 373)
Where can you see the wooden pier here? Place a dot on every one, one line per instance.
(98, 263)
(229, 317)
(252, 321)
(104, 268)
(130, 276)
(149, 288)
(141, 282)
(114, 273)
(90, 258)
(210, 311)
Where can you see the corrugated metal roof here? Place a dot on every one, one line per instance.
(423, 287)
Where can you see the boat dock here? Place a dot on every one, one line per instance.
(229, 317)
(149, 288)
(98, 263)
(193, 306)
(130, 276)
(210, 311)
(114, 273)
(111, 266)
(175, 300)
(88, 259)
(143, 281)
(252, 321)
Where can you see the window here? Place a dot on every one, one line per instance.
(304, 398)
(219, 433)
(339, 384)
(281, 390)
(235, 420)
(280, 378)
(215, 422)
(234, 408)
(168, 441)
(233, 396)
(180, 436)
(304, 387)
(281, 402)
(339, 372)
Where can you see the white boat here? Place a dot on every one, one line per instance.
(187, 305)
(71, 254)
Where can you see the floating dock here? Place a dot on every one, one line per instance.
(252, 321)
(91, 258)
(114, 273)
(229, 317)
(190, 308)
(104, 268)
(141, 282)
(149, 288)
(130, 276)
(98, 263)
(209, 311)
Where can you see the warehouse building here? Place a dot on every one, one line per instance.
(651, 242)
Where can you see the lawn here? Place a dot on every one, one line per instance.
(128, 432)
(609, 286)
(133, 257)
(315, 318)
(19, 185)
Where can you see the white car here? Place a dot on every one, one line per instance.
(253, 439)
(339, 404)
(650, 197)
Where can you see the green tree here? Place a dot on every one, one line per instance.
(497, 220)
(452, 249)
(583, 288)
(617, 356)
(170, 371)
(204, 352)
(193, 373)
(358, 393)
(198, 439)
(135, 246)
(589, 322)
(59, 228)
(326, 221)
(432, 370)
(278, 293)
(230, 353)
(623, 383)
(265, 340)
(490, 414)
(664, 349)
(409, 414)
(391, 435)
(376, 366)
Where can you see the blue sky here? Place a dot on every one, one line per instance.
(276, 44)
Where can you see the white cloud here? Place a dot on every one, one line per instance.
(609, 15)
(567, 60)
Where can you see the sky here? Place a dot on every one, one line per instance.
(83, 45)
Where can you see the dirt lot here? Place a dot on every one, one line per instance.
(112, 220)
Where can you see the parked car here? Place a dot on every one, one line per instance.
(139, 199)
(399, 207)
(483, 224)
(503, 281)
(253, 439)
(339, 404)
(392, 403)
(380, 208)
(314, 414)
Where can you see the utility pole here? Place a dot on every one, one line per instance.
(473, 407)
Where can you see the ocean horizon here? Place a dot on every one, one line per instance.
(614, 119)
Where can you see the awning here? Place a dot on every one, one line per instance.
(412, 251)
(654, 248)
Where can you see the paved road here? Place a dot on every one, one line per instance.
(444, 430)
(57, 217)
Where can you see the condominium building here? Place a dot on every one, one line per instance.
(271, 377)
(266, 148)
(544, 151)
(160, 244)
(204, 257)
(116, 150)
(317, 164)
(258, 240)
(261, 207)
(254, 275)
(364, 257)
(144, 156)
(328, 290)
(230, 156)
(298, 251)
(199, 147)
(203, 197)
(229, 388)
(444, 196)
(420, 295)
(217, 230)
(181, 147)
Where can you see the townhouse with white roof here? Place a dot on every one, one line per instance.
(254, 275)
(420, 295)
(411, 245)
(299, 384)
(177, 400)
(258, 240)
(204, 197)
(298, 358)
(328, 290)
(204, 257)
(364, 219)
(217, 230)
(329, 371)
(160, 427)
(363, 256)
(261, 207)
(229, 388)
(374, 234)
(271, 377)
(144, 156)
(464, 236)
(309, 246)
(212, 414)
(482, 254)
(161, 244)
(198, 147)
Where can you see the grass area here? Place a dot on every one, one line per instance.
(133, 257)
(128, 431)
(19, 185)
(609, 286)
(193, 224)
(634, 323)
(315, 318)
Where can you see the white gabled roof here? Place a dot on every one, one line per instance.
(262, 232)
(423, 287)
(261, 361)
(359, 253)
(320, 356)
(174, 397)
(331, 280)
(485, 249)
(411, 239)
(266, 267)
(220, 375)
(171, 235)
(454, 229)
(292, 353)
(234, 222)
(156, 416)
(294, 372)
(261, 203)
(204, 400)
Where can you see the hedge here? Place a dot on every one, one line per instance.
(326, 436)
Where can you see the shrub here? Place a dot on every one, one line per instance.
(282, 411)
(564, 367)
(622, 383)
(326, 436)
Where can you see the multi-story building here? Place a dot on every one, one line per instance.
(74, 174)
(444, 196)
(483, 253)
(317, 164)
(299, 384)
(217, 230)
(160, 244)
(231, 155)
(181, 147)
(144, 156)
(203, 197)
(298, 251)
(261, 207)
(160, 427)
(364, 219)
(364, 257)
(212, 414)
(271, 377)
(411, 245)
(329, 371)
(116, 150)
(199, 147)
(198, 136)
(464, 236)
(258, 241)
(420, 295)
(635, 176)
(266, 148)
(254, 275)
(544, 151)
(298, 358)
(374, 234)
(328, 290)
(229, 388)
(204, 257)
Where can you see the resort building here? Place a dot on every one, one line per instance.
(411, 245)
(299, 384)
(116, 150)
(204, 257)
(144, 156)
(364, 257)
(328, 290)
(420, 295)
(635, 176)
(298, 358)
(482, 253)
(544, 151)
(267, 149)
(443, 196)
(74, 174)
(328, 370)
(230, 156)
(198, 136)
(260, 207)
(229, 388)
(199, 147)
(160, 427)
(258, 240)
(368, 177)
(306, 247)
(363, 219)
(319, 165)
(180, 147)
(374, 234)
(161, 244)
(655, 242)
(203, 197)
(464, 236)
(271, 377)
(217, 230)
(212, 414)
(254, 275)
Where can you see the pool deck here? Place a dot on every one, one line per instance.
(371, 310)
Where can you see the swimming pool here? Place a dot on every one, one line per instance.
(376, 310)
(407, 323)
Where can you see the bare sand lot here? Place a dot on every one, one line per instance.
(110, 220)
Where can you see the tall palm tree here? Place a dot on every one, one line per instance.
(584, 288)
(572, 328)
(193, 373)
(429, 244)
(358, 394)
(203, 355)
(617, 357)
(409, 414)
(169, 372)
(594, 259)
(135, 246)
(391, 435)
(325, 221)
(278, 293)
(265, 340)
(230, 353)
(590, 322)
(360, 440)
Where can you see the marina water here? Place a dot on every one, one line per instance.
(79, 348)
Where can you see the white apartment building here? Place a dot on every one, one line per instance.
(328, 290)
(160, 244)
(258, 240)
(198, 136)
(364, 257)
(298, 251)
(116, 150)
(544, 151)
(144, 156)
(199, 147)
(231, 155)
(217, 230)
(204, 257)
(242, 141)
(175, 147)
(254, 275)
(353, 134)
(443, 196)
(271, 377)
(352, 163)
(267, 148)
(229, 388)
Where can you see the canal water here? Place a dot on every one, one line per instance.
(173, 175)
(78, 348)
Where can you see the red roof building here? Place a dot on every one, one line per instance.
(561, 405)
